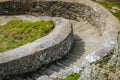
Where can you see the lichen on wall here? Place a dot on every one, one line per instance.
(108, 68)
(115, 61)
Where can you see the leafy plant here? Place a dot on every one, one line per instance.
(72, 77)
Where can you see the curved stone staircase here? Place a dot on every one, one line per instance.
(88, 39)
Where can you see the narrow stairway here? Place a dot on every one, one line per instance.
(87, 39)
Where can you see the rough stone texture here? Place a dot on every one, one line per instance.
(94, 72)
(55, 8)
(110, 70)
(40, 52)
(43, 78)
(115, 61)
(106, 23)
(87, 10)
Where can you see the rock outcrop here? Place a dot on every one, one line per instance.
(115, 61)
(107, 68)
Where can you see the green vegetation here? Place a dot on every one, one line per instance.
(17, 32)
(72, 77)
(113, 7)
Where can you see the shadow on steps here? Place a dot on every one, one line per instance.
(55, 67)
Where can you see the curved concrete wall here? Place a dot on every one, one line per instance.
(40, 52)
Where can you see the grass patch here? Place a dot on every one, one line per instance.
(17, 32)
(72, 77)
(109, 5)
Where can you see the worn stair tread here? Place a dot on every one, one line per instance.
(55, 68)
(42, 71)
(35, 76)
(74, 55)
(49, 72)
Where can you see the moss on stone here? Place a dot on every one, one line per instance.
(17, 32)
(113, 7)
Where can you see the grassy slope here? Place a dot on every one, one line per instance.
(16, 33)
(110, 5)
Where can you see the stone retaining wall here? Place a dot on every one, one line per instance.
(70, 9)
(87, 10)
(40, 52)
(55, 8)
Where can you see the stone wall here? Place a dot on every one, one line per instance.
(115, 61)
(87, 10)
(40, 52)
(55, 8)
(108, 68)
(69, 9)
